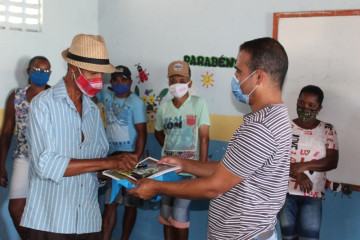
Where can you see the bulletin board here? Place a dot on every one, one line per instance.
(324, 50)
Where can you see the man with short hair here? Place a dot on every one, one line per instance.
(182, 129)
(67, 145)
(249, 185)
(126, 132)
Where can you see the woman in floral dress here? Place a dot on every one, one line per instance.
(16, 112)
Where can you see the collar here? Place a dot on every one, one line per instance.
(60, 92)
(88, 104)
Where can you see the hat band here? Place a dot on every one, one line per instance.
(88, 60)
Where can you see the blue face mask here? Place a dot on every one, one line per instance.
(120, 88)
(235, 86)
(39, 78)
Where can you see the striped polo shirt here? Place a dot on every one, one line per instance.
(258, 152)
(56, 203)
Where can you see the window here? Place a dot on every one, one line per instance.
(21, 15)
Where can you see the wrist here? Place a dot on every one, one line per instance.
(293, 175)
(303, 167)
(160, 188)
(109, 163)
(184, 165)
(2, 163)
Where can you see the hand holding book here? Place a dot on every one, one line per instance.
(147, 188)
(148, 168)
(123, 162)
(173, 161)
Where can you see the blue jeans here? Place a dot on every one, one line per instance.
(301, 217)
(273, 236)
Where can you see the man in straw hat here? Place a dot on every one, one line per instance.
(67, 145)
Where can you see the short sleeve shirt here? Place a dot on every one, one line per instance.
(258, 152)
(181, 126)
(121, 116)
(311, 145)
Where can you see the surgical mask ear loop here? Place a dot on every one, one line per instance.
(247, 77)
(75, 75)
(253, 90)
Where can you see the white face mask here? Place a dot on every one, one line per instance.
(179, 90)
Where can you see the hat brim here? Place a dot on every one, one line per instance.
(120, 75)
(179, 74)
(106, 68)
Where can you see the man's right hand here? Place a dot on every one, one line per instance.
(146, 188)
(3, 177)
(174, 161)
(124, 162)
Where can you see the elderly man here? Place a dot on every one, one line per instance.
(249, 185)
(67, 145)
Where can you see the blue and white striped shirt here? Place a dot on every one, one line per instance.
(56, 203)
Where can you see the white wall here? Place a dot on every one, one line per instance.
(61, 21)
(159, 31)
(325, 51)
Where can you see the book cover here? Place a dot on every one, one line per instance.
(147, 168)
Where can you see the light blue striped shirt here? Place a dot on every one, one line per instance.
(56, 203)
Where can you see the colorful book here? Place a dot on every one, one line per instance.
(147, 168)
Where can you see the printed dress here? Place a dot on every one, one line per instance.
(21, 106)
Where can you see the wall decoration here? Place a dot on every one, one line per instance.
(208, 80)
(344, 188)
(152, 102)
(143, 76)
(222, 61)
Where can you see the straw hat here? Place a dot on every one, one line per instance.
(89, 52)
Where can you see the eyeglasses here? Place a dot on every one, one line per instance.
(36, 69)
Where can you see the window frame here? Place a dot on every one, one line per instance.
(7, 15)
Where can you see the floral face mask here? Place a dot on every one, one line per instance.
(305, 114)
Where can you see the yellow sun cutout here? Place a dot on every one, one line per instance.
(207, 80)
